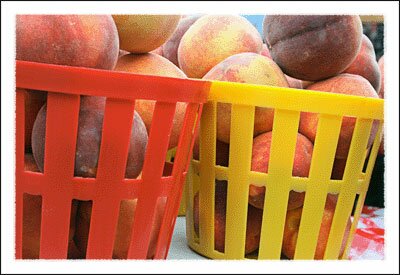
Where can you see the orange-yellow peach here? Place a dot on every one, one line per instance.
(153, 64)
(292, 224)
(213, 38)
(366, 65)
(73, 40)
(313, 47)
(260, 163)
(170, 48)
(246, 68)
(142, 33)
(341, 84)
(253, 226)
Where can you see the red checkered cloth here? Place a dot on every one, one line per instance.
(369, 238)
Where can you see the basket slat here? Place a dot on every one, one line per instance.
(320, 172)
(283, 144)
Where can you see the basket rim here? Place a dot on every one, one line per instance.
(109, 83)
(296, 99)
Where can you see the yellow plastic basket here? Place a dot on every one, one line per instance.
(287, 104)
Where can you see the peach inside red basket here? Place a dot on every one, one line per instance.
(58, 186)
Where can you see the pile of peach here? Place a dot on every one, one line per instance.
(320, 53)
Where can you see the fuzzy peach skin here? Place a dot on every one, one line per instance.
(313, 47)
(366, 65)
(260, 163)
(73, 40)
(124, 227)
(292, 225)
(170, 48)
(153, 64)
(254, 220)
(32, 216)
(142, 33)
(213, 38)
(246, 68)
(342, 84)
(90, 125)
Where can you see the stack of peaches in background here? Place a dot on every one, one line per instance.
(320, 53)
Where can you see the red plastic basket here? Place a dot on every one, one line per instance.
(57, 184)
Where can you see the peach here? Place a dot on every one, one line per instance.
(313, 47)
(213, 38)
(73, 40)
(260, 163)
(153, 64)
(254, 220)
(366, 65)
(124, 227)
(170, 48)
(341, 84)
(265, 51)
(292, 225)
(90, 125)
(142, 33)
(32, 216)
(246, 68)
(34, 100)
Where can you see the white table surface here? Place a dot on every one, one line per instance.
(179, 248)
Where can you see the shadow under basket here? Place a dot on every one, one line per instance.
(57, 185)
(287, 104)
